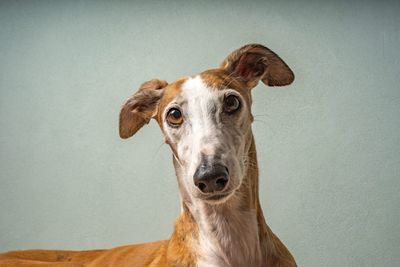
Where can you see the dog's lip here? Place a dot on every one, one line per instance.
(216, 197)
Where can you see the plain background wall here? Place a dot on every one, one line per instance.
(328, 145)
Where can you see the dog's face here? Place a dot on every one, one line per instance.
(206, 120)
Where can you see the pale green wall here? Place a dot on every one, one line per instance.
(328, 145)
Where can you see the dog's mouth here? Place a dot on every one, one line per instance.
(217, 198)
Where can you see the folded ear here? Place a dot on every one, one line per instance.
(140, 108)
(254, 62)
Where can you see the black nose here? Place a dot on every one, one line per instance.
(210, 178)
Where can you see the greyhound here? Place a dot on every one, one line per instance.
(206, 120)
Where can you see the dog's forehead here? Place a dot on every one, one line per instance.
(218, 79)
(192, 87)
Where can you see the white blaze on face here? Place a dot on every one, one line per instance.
(202, 117)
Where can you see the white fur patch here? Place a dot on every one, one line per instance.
(228, 237)
(201, 106)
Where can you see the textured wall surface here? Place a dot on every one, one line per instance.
(329, 146)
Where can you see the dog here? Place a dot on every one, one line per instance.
(206, 120)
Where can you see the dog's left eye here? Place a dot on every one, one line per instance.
(231, 103)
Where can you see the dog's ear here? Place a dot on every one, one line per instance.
(254, 62)
(140, 108)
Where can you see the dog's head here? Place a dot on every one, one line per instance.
(206, 119)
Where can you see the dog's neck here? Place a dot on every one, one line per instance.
(233, 233)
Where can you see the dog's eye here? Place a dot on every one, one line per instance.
(231, 104)
(174, 117)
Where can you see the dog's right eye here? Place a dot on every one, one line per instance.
(174, 117)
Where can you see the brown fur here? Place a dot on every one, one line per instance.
(180, 250)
